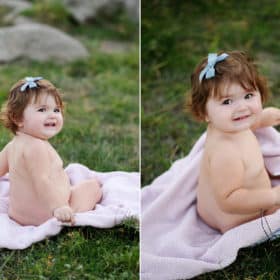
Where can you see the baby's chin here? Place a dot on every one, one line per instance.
(235, 128)
(240, 128)
(48, 136)
(44, 136)
(49, 133)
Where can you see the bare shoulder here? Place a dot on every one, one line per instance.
(4, 165)
(4, 152)
(35, 148)
(7, 147)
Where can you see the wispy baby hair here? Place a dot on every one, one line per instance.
(236, 68)
(12, 110)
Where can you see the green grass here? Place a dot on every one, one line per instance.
(84, 253)
(176, 35)
(101, 131)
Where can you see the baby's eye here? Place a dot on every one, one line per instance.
(56, 110)
(249, 95)
(42, 110)
(227, 102)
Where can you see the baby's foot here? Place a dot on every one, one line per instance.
(64, 214)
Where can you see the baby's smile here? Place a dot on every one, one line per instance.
(240, 118)
(50, 124)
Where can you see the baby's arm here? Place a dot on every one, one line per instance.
(38, 165)
(4, 167)
(227, 177)
(270, 116)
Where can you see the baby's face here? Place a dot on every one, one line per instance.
(236, 110)
(42, 119)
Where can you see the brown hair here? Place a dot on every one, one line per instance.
(237, 67)
(12, 110)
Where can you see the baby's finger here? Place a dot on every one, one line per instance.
(60, 217)
(66, 216)
(72, 219)
(70, 216)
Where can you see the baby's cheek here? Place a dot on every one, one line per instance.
(61, 121)
(257, 107)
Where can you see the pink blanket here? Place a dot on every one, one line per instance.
(120, 201)
(175, 242)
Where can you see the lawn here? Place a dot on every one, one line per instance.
(175, 36)
(101, 131)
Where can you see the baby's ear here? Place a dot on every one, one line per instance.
(18, 122)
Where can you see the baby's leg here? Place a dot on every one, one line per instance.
(85, 195)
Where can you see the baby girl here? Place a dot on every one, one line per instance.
(39, 186)
(234, 186)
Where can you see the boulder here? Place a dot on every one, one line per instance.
(16, 7)
(84, 10)
(38, 42)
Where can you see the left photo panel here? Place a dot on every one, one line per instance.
(69, 146)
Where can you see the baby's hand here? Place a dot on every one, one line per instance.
(64, 214)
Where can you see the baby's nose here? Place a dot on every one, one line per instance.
(52, 115)
(242, 105)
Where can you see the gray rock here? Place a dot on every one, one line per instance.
(16, 6)
(38, 42)
(132, 8)
(84, 10)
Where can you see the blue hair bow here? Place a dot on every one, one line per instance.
(30, 82)
(209, 70)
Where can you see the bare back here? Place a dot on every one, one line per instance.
(36, 178)
(243, 148)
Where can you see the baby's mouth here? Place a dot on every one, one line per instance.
(241, 118)
(50, 124)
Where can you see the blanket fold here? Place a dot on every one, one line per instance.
(175, 242)
(120, 201)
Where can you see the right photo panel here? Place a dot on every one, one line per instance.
(210, 142)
